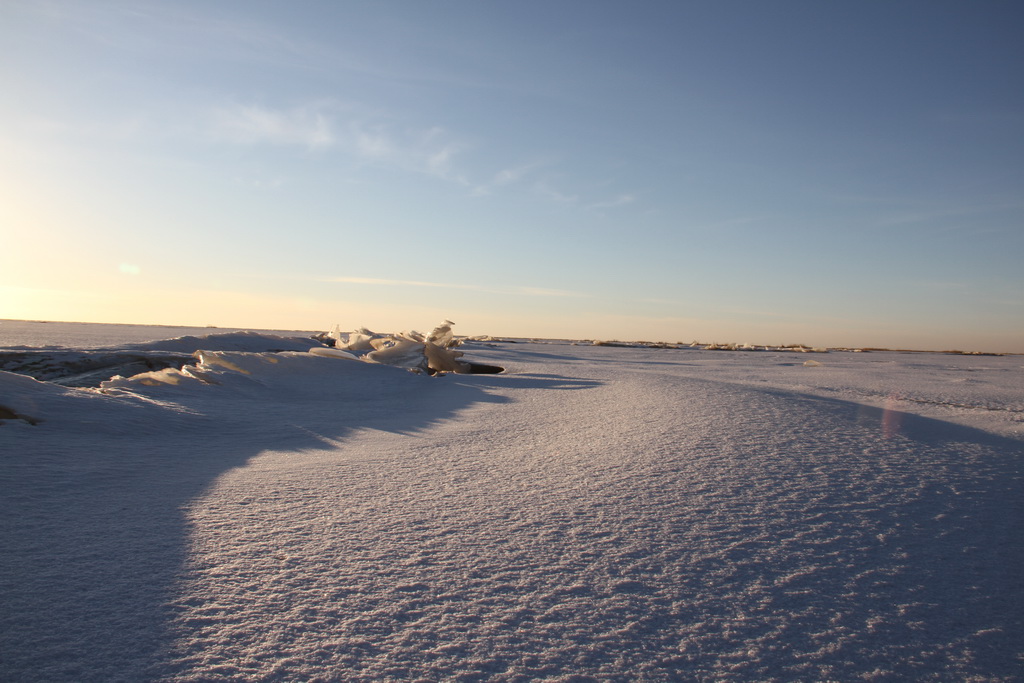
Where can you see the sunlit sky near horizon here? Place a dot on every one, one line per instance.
(835, 174)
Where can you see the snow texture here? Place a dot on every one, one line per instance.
(594, 513)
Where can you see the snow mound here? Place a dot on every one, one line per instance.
(253, 342)
(91, 367)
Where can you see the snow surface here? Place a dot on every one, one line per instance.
(594, 513)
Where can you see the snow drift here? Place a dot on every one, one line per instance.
(165, 360)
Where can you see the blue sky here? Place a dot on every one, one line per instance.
(783, 172)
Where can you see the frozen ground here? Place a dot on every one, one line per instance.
(595, 513)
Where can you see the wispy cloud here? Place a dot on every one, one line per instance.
(548, 189)
(386, 282)
(893, 211)
(727, 223)
(256, 45)
(931, 216)
(365, 137)
(944, 285)
(373, 143)
(393, 283)
(306, 126)
(538, 291)
(544, 189)
(507, 176)
(370, 137)
(620, 200)
(511, 175)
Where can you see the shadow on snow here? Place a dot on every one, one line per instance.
(94, 538)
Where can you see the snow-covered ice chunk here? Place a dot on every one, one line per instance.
(411, 350)
(333, 353)
(401, 352)
(442, 335)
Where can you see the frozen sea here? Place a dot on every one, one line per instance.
(594, 513)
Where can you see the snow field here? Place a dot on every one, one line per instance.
(592, 514)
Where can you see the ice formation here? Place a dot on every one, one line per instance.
(175, 360)
(432, 353)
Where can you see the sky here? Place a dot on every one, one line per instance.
(831, 174)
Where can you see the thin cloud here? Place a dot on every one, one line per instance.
(514, 174)
(369, 138)
(392, 283)
(386, 282)
(253, 124)
(926, 216)
(621, 200)
(545, 190)
(372, 144)
(440, 163)
(944, 285)
(510, 175)
(538, 291)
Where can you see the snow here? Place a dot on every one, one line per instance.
(592, 513)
